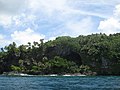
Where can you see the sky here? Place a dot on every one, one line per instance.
(23, 21)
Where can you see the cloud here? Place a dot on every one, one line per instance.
(47, 6)
(23, 37)
(111, 25)
(82, 27)
(3, 40)
(117, 12)
(67, 7)
(24, 21)
(5, 20)
(13, 10)
(11, 6)
(98, 2)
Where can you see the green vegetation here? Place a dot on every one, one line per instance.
(96, 53)
(15, 68)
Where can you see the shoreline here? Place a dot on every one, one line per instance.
(49, 75)
(52, 75)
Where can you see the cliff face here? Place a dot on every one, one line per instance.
(63, 52)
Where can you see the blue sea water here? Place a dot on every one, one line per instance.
(60, 83)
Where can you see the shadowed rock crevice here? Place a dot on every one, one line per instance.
(65, 52)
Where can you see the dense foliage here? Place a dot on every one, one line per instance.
(84, 54)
